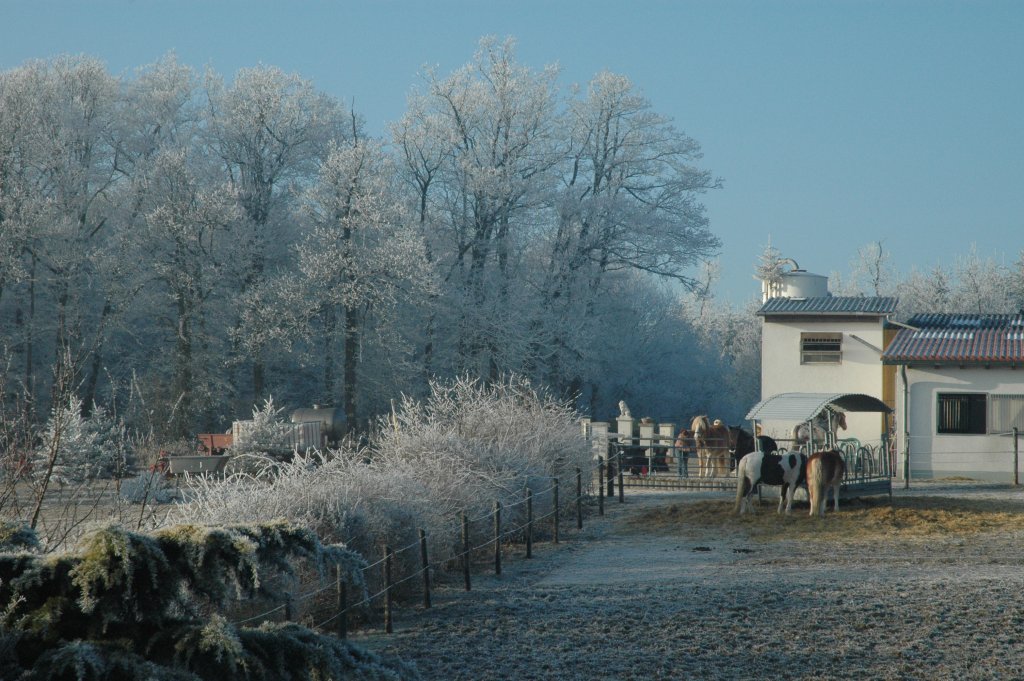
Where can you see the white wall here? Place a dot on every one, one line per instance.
(859, 372)
(981, 457)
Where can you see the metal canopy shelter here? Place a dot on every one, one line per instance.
(869, 470)
(801, 407)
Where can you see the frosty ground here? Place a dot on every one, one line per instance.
(672, 586)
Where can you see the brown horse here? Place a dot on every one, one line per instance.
(712, 440)
(824, 470)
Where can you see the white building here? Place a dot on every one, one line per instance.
(960, 394)
(815, 342)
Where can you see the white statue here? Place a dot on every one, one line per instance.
(624, 409)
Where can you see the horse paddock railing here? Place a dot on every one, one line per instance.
(656, 461)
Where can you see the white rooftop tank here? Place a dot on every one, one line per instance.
(796, 283)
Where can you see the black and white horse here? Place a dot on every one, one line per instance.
(782, 470)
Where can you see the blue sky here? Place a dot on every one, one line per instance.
(832, 124)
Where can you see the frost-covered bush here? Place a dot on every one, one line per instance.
(17, 537)
(465, 447)
(150, 487)
(268, 434)
(75, 448)
(134, 606)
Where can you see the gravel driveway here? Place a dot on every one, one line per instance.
(651, 591)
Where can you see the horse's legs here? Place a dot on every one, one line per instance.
(835, 495)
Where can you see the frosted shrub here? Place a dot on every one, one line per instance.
(79, 448)
(267, 433)
(148, 488)
(126, 605)
(465, 447)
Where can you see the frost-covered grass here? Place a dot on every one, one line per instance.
(465, 447)
(682, 590)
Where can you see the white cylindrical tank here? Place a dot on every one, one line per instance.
(802, 284)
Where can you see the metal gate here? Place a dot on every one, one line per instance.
(655, 461)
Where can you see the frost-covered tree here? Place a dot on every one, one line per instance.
(269, 432)
(74, 448)
(770, 267)
(627, 200)
(59, 192)
(269, 130)
(190, 241)
(873, 271)
(985, 286)
(973, 285)
(482, 188)
(361, 259)
(185, 240)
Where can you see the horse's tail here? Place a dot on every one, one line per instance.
(815, 480)
(742, 482)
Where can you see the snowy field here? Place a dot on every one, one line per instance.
(672, 586)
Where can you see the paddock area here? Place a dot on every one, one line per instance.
(671, 585)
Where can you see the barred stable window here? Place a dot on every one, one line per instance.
(962, 413)
(821, 348)
(1005, 413)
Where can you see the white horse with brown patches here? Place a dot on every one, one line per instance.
(822, 428)
(824, 470)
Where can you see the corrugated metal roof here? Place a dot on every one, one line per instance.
(958, 339)
(800, 407)
(876, 306)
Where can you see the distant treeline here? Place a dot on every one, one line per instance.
(176, 247)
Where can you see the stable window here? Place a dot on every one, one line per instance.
(1005, 413)
(821, 348)
(962, 413)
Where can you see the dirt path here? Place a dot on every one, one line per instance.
(657, 590)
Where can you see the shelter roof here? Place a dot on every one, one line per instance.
(959, 339)
(844, 306)
(800, 407)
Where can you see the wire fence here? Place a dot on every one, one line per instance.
(468, 557)
(658, 462)
(988, 455)
(378, 602)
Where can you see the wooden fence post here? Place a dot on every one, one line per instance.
(388, 627)
(579, 499)
(1016, 456)
(529, 523)
(465, 549)
(497, 537)
(618, 472)
(600, 488)
(342, 596)
(426, 568)
(554, 493)
(610, 476)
